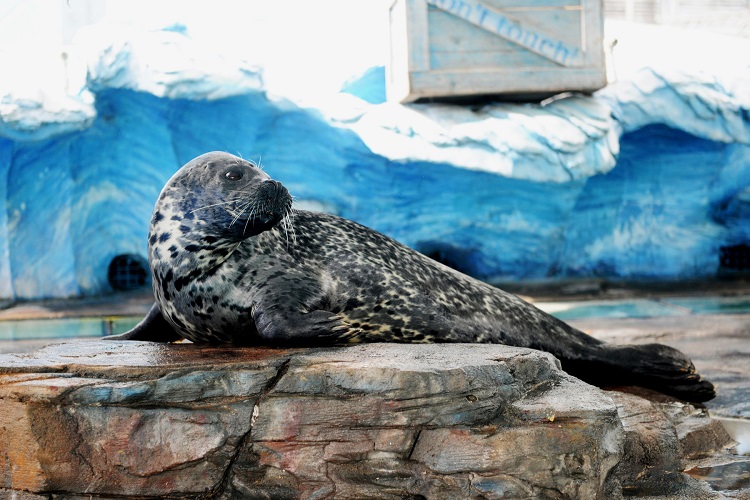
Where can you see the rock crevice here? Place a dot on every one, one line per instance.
(245, 441)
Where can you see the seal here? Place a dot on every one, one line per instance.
(232, 262)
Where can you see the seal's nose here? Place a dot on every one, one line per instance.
(274, 191)
(272, 184)
(275, 200)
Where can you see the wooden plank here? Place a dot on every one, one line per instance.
(442, 55)
(560, 24)
(397, 70)
(508, 81)
(419, 44)
(445, 29)
(592, 33)
(533, 4)
(461, 50)
(446, 61)
(500, 24)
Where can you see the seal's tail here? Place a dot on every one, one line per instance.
(654, 366)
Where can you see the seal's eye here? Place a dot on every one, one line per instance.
(233, 175)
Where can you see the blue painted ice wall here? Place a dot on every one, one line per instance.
(6, 280)
(646, 179)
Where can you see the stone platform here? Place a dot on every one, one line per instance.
(140, 420)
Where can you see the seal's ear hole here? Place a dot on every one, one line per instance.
(128, 272)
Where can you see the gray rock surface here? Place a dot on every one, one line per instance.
(112, 419)
(718, 344)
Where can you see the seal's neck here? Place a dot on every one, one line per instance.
(185, 246)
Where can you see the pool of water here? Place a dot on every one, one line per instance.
(57, 328)
(60, 328)
(732, 473)
(647, 308)
(34, 329)
(739, 430)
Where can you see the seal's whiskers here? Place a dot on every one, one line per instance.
(287, 223)
(240, 212)
(254, 211)
(216, 204)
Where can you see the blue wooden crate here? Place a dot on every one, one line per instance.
(523, 48)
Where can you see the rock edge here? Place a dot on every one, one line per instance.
(106, 419)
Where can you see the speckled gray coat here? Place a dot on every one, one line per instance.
(231, 262)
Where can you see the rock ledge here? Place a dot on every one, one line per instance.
(106, 419)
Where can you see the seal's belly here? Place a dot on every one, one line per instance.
(210, 310)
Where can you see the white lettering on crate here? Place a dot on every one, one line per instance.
(493, 21)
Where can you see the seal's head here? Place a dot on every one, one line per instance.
(222, 196)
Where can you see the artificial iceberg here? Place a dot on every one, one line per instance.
(647, 179)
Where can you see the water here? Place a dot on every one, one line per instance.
(739, 430)
(647, 308)
(731, 474)
(59, 328)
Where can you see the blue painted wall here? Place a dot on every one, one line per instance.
(584, 187)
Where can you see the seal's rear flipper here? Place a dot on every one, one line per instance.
(654, 366)
(152, 328)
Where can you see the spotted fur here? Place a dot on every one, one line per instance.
(226, 271)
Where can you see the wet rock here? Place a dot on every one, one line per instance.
(716, 343)
(661, 435)
(379, 421)
(108, 419)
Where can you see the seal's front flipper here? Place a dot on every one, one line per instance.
(152, 328)
(293, 327)
(655, 366)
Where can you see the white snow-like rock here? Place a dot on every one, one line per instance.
(646, 179)
(696, 102)
(570, 138)
(34, 102)
(167, 63)
(42, 117)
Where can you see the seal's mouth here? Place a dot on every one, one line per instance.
(273, 202)
(269, 205)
